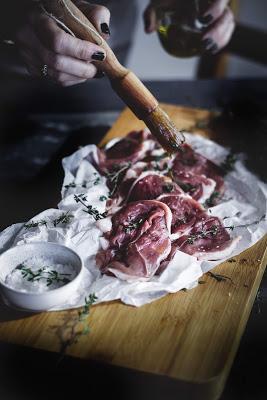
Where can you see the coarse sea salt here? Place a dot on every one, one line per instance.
(40, 274)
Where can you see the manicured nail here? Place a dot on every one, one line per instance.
(105, 29)
(98, 56)
(205, 19)
(207, 43)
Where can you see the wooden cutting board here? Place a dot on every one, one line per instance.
(191, 337)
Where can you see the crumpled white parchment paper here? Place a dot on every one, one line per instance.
(245, 202)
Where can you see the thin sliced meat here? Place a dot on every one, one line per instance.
(198, 186)
(129, 149)
(189, 161)
(207, 240)
(125, 181)
(130, 177)
(138, 242)
(185, 213)
(151, 185)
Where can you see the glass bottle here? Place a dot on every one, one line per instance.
(179, 29)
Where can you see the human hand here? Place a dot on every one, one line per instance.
(66, 59)
(217, 17)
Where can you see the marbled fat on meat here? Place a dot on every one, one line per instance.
(129, 149)
(207, 240)
(139, 240)
(150, 185)
(185, 213)
(198, 186)
(188, 161)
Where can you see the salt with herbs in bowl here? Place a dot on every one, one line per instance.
(39, 276)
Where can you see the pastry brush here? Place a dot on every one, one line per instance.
(124, 82)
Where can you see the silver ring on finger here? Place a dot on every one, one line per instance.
(44, 71)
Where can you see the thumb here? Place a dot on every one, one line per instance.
(98, 15)
(150, 19)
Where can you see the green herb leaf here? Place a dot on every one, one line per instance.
(229, 163)
(115, 177)
(203, 234)
(64, 218)
(50, 276)
(81, 198)
(168, 187)
(132, 225)
(103, 198)
(210, 202)
(34, 224)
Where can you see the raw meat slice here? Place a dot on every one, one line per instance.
(198, 186)
(187, 160)
(129, 149)
(151, 185)
(139, 240)
(207, 240)
(185, 213)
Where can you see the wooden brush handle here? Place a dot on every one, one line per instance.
(124, 82)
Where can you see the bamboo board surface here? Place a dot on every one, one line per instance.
(189, 336)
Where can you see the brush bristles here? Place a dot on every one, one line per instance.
(167, 134)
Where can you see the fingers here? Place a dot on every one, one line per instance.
(219, 34)
(214, 12)
(99, 16)
(60, 42)
(62, 64)
(61, 68)
(61, 78)
(150, 19)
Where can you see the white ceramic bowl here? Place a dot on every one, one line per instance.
(39, 301)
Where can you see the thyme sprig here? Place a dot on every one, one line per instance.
(168, 187)
(64, 218)
(34, 224)
(229, 163)
(84, 184)
(203, 234)
(232, 227)
(51, 276)
(94, 212)
(83, 314)
(75, 325)
(115, 176)
(187, 187)
(219, 277)
(210, 202)
(133, 225)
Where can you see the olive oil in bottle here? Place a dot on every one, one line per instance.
(180, 31)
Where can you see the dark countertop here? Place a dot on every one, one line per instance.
(24, 96)
(40, 125)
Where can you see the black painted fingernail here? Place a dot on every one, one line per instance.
(207, 43)
(205, 19)
(98, 56)
(105, 29)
